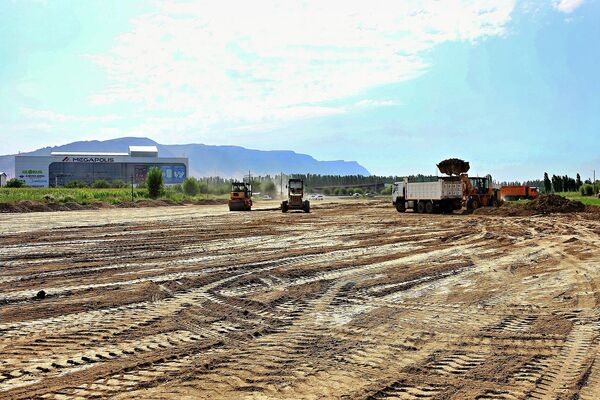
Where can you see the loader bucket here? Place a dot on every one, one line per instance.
(454, 166)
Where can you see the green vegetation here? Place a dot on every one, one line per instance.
(587, 200)
(190, 186)
(154, 182)
(586, 189)
(91, 195)
(270, 188)
(76, 184)
(14, 183)
(97, 184)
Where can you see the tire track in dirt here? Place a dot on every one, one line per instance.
(299, 306)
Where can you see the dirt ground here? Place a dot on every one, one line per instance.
(352, 301)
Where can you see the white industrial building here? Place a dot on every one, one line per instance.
(2, 179)
(60, 168)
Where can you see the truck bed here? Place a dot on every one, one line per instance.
(442, 189)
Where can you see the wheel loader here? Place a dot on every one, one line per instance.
(295, 199)
(240, 198)
(479, 192)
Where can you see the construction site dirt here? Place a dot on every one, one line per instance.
(351, 301)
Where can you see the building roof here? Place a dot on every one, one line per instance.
(2, 173)
(84, 153)
(151, 149)
(143, 151)
(134, 151)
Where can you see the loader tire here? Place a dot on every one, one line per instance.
(284, 206)
(306, 206)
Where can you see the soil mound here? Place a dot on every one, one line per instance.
(33, 206)
(10, 208)
(58, 207)
(505, 210)
(552, 203)
(454, 166)
(544, 204)
(71, 205)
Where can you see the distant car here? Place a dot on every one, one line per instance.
(316, 197)
(356, 195)
(267, 197)
(370, 194)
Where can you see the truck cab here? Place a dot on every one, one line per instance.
(399, 196)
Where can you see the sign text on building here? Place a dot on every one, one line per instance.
(89, 159)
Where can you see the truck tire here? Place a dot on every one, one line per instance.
(429, 208)
(400, 207)
(421, 207)
(284, 206)
(474, 204)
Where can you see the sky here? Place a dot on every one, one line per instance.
(511, 86)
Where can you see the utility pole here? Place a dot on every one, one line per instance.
(281, 185)
(131, 188)
(594, 181)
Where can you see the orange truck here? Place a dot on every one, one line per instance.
(510, 193)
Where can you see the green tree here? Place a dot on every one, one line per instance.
(256, 186)
(154, 182)
(578, 182)
(76, 184)
(118, 183)
(386, 190)
(557, 183)
(547, 183)
(586, 190)
(202, 187)
(14, 183)
(190, 186)
(270, 188)
(101, 184)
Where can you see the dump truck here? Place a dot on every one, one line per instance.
(446, 194)
(240, 197)
(443, 195)
(295, 199)
(518, 192)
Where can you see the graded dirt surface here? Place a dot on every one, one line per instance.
(352, 301)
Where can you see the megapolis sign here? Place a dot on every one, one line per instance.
(89, 159)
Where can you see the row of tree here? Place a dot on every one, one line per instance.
(561, 183)
(558, 183)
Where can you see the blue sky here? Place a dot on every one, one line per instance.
(512, 87)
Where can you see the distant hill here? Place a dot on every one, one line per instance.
(204, 160)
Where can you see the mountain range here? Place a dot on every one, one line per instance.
(207, 160)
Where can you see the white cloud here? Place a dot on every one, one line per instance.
(369, 103)
(567, 6)
(261, 62)
(55, 117)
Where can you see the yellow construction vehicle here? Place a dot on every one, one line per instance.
(240, 198)
(295, 199)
